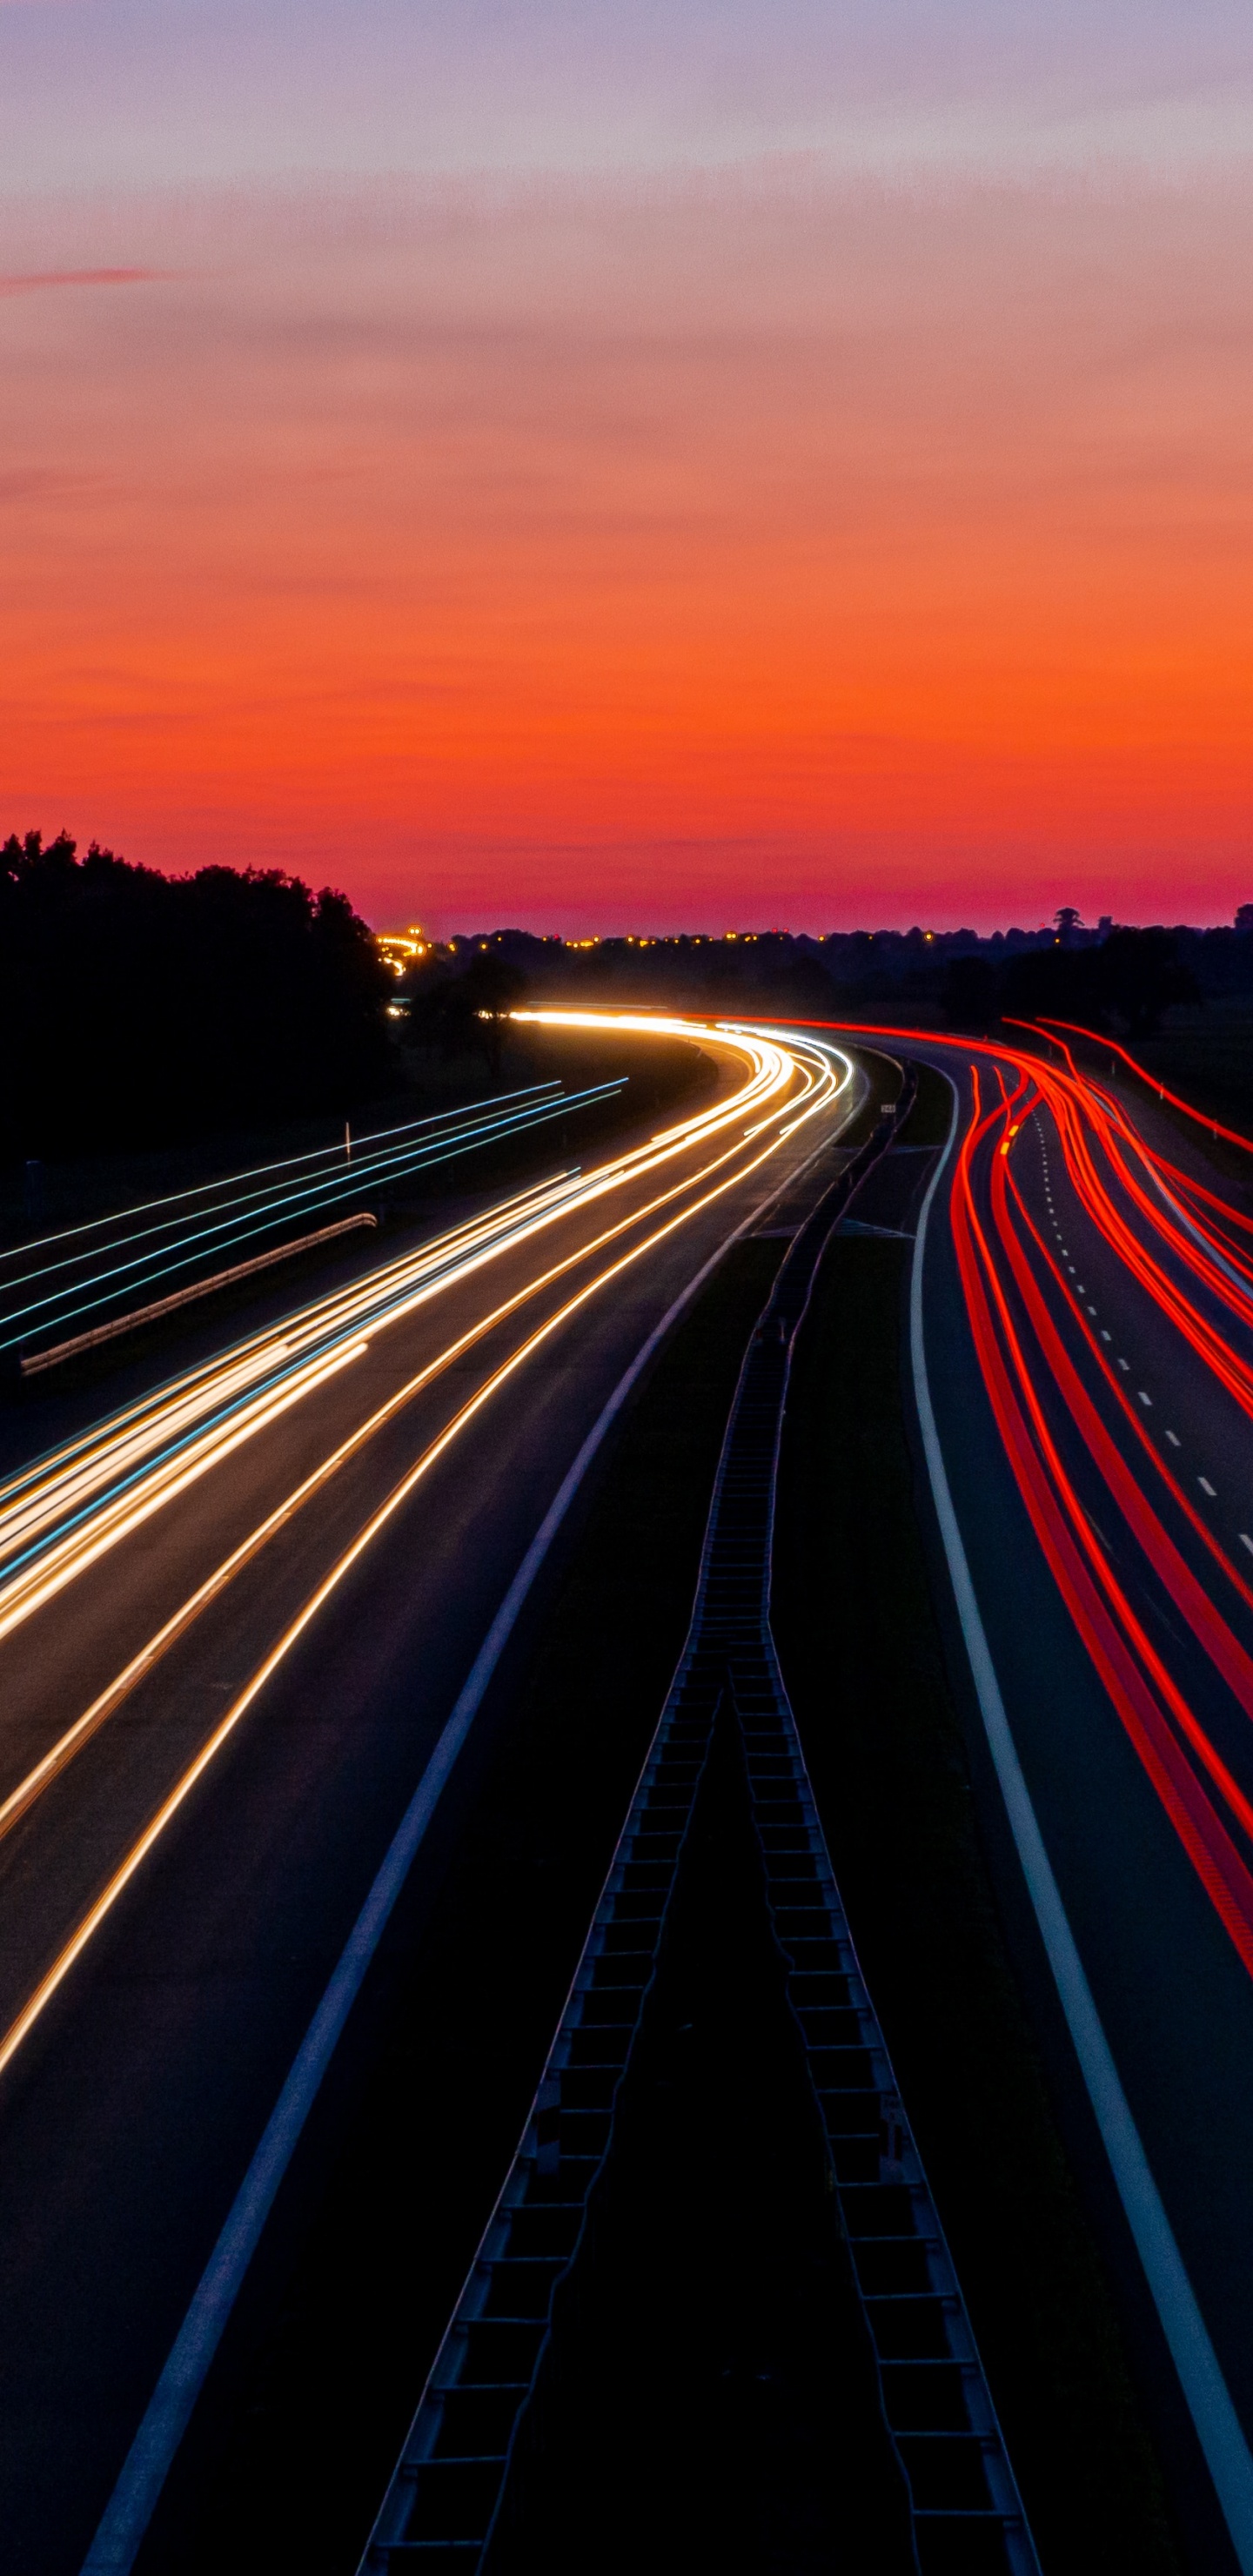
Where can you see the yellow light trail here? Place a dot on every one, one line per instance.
(52, 1763)
(24, 2022)
(32, 1507)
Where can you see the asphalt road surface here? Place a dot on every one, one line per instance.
(1087, 1329)
(1087, 1320)
(181, 1850)
(233, 1620)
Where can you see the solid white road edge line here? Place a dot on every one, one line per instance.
(1209, 2402)
(147, 2464)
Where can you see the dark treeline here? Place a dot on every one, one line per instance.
(1112, 977)
(1123, 982)
(138, 1009)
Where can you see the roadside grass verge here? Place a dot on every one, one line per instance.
(862, 1654)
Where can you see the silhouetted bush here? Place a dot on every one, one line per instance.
(465, 1014)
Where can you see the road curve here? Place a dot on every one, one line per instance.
(1084, 1352)
(233, 1619)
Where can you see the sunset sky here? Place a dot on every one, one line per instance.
(734, 463)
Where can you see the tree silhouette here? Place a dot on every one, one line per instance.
(466, 1014)
(137, 1009)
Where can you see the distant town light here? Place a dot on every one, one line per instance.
(400, 949)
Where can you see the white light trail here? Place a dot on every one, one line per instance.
(20, 1799)
(63, 1514)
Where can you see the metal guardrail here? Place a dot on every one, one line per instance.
(444, 2505)
(34, 1363)
(94, 1268)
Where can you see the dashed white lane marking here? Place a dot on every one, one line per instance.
(1125, 1366)
(1145, 1399)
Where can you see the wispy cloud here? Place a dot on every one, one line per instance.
(505, 539)
(34, 279)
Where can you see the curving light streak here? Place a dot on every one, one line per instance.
(238, 1220)
(1043, 1365)
(1212, 1126)
(65, 1513)
(1135, 1678)
(255, 1172)
(822, 1081)
(1083, 1113)
(53, 1762)
(1154, 1711)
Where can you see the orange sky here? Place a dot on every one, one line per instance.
(737, 547)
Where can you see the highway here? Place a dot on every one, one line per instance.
(234, 1617)
(1084, 1346)
(84, 1274)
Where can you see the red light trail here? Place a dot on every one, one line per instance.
(1063, 1415)
(1212, 1126)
